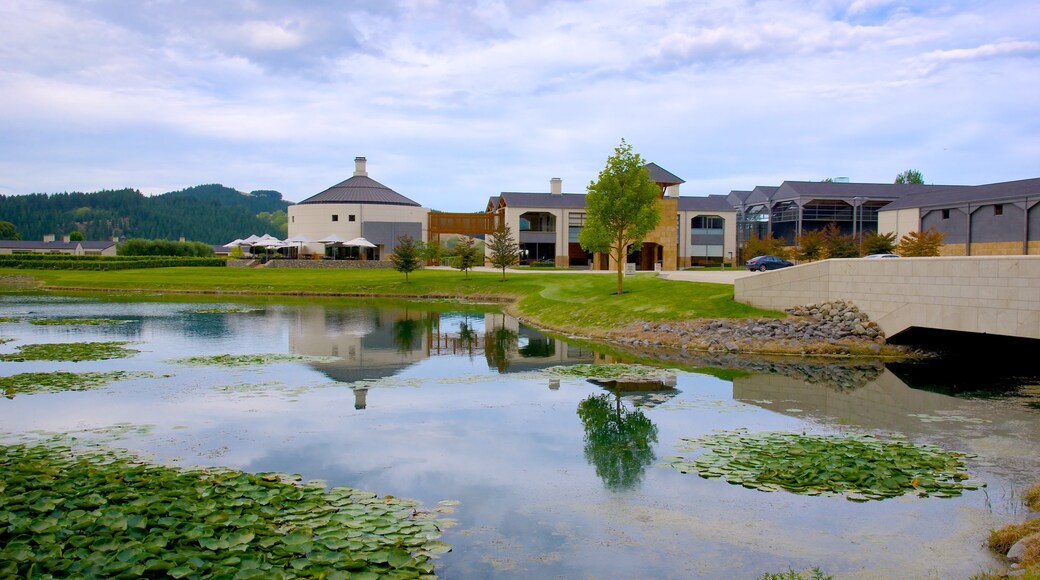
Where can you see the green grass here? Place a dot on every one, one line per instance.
(572, 303)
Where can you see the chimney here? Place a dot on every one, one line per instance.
(672, 191)
(47, 238)
(359, 167)
(556, 186)
(66, 238)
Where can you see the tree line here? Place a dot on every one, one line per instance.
(209, 213)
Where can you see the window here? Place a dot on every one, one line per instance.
(293, 219)
(707, 224)
(998, 209)
(575, 221)
(335, 218)
(946, 214)
(350, 218)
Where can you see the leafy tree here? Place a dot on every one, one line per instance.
(407, 256)
(910, 176)
(76, 236)
(620, 208)
(466, 255)
(878, 243)
(140, 247)
(810, 246)
(431, 253)
(505, 252)
(837, 244)
(619, 443)
(770, 246)
(8, 231)
(915, 244)
(236, 253)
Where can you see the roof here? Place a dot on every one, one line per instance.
(790, 190)
(360, 189)
(946, 196)
(717, 203)
(66, 246)
(662, 176)
(546, 200)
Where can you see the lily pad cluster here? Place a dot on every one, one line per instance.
(247, 360)
(71, 351)
(75, 321)
(101, 513)
(860, 466)
(616, 371)
(36, 383)
(219, 310)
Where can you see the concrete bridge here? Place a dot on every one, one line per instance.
(983, 294)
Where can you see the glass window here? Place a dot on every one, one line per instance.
(335, 218)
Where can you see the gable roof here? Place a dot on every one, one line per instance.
(953, 195)
(62, 246)
(717, 203)
(661, 175)
(360, 189)
(543, 200)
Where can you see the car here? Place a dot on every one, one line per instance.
(763, 263)
(882, 256)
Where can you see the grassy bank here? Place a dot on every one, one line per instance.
(573, 303)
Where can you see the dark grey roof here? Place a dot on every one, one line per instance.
(62, 246)
(710, 203)
(790, 190)
(661, 175)
(737, 197)
(360, 189)
(761, 194)
(546, 200)
(953, 195)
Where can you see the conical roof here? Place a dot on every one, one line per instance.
(360, 189)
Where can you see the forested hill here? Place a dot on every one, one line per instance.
(206, 213)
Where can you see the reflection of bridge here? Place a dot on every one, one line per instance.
(981, 294)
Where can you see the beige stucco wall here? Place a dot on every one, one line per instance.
(729, 234)
(314, 220)
(900, 221)
(988, 294)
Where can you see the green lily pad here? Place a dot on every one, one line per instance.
(70, 351)
(245, 360)
(36, 383)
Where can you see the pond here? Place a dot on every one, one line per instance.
(553, 475)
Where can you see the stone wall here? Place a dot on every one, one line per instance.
(311, 264)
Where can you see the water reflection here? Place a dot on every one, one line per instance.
(619, 442)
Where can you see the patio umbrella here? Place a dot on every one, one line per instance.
(299, 240)
(234, 244)
(332, 240)
(359, 242)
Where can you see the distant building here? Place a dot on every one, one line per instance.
(49, 246)
(358, 207)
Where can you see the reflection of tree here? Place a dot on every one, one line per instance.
(538, 347)
(497, 345)
(408, 333)
(467, 336)
(618, 442)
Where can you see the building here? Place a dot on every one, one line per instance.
(65, 246)
(358, 207)
(702, 231)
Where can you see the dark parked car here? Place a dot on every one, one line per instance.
(763, 263)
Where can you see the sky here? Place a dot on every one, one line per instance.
(453, 102)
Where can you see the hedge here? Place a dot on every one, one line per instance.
(108, 263)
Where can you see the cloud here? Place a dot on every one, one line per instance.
(936, 59)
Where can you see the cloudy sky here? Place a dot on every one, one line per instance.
(452, 102)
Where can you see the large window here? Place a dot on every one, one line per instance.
(534, 221)
(707, 225)
(575, 221)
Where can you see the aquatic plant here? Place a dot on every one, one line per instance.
(813, 573)
(610, 371)
(223, 310)
(75, 321)
(70, 351)
(245, 360)
(104, 513)
(56, 382)
(860, 466)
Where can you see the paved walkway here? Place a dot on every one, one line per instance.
(727, 276)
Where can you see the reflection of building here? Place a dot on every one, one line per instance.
(528, 349)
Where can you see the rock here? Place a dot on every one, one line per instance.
(1016, 551)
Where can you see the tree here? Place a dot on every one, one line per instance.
(8, 231)
(837, 244)
(620, 208)
(407, 256)
(810, 246)
(878, 243)
(505, 252)
(770, 246)
(910, 176)
(916, 244)
(467, 255)
(76, 236)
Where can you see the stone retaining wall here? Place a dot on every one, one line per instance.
(347, 264)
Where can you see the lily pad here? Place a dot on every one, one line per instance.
(246, 360)
(36, 383)
(861, 466)
(615, 372)
(70, 351)
(76, 321)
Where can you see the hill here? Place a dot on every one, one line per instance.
(205, 213)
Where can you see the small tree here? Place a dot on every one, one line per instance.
(505, 252)
(407, 256)
(76, 236)
(810, 246)
(910, 176)
(8, 231)
(236, 253)
(837, 244)
(769, 246)
(916, 244)
(620, 208)
(466, 255)
(878, 243)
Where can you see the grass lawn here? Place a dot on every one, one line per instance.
(572, 303)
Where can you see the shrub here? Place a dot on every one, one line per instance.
(810, 246)
(837, 244)
(916, 244)
(770, 246)
(142, 247)
(878, 243)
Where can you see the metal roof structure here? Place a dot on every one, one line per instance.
(717, 203)
(360, 189)
(953, 195)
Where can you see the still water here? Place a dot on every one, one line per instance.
(452, 402)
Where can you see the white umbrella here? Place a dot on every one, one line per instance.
(360, 242)
(252, 239)
(331, 239)
(299, 240)
(234, 244)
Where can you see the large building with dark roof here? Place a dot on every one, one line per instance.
(692, 231)
(358, 207)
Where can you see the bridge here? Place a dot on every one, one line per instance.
(983, 294)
